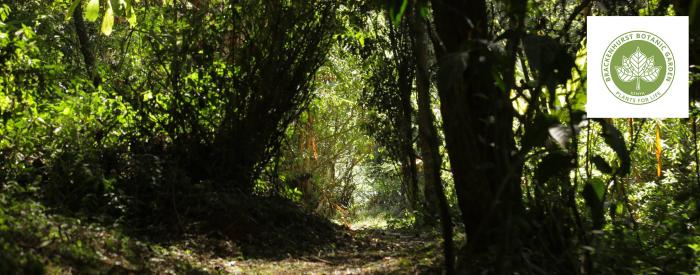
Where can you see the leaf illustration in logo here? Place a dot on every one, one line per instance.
(638, 67)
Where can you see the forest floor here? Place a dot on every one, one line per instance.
(35, 241)
(371, 250)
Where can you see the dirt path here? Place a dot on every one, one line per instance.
(370, 251)
(59, 244)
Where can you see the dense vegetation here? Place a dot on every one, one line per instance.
(268, 136)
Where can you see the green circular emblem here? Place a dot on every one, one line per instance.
(638, 67)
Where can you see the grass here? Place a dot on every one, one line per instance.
(35, 241)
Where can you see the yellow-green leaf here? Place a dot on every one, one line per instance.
(92, 9)
(131, 16)
(108, 20)
(129, 13)
(147, 96)
(619, 208)
(599, 187)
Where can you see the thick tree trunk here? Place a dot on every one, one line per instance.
(478, 122)
(428, 141)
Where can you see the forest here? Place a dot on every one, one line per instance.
(333, 137)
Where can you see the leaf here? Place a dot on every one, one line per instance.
(601, 164)
(108, 20)
(398, 14)
(593, 193)
(561, 134)
(72, 8)
(4, 12)
(638, 67)
(613, 137)
(130, 14)
(619, 208)
(92, 9)
(658, 150)
(598, 187)
(424, 11)
(537, 49)
(536, 135)
(553, 164)
(549, 60)
(548, 57)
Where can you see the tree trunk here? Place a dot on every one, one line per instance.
(478, 122)
(85, 47)
(408, 154)
(428, 141)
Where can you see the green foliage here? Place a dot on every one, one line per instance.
(92, 9)
(327, 141)
(593, 194)
(108, 20)
(404, 220)
(613, 137)
(397, 9)
(293, 194)
(125, 149)
(123, 8)
(198, 99)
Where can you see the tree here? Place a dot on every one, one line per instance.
(225, 93)
(85, 45)
(477, 122)
(428, 140)
(391, 87)
(401, 44)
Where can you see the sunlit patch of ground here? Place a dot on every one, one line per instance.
(378, 221)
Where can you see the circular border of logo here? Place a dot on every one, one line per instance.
(668, 86)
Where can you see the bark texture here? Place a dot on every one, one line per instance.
(478, 122)
(428, 140)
